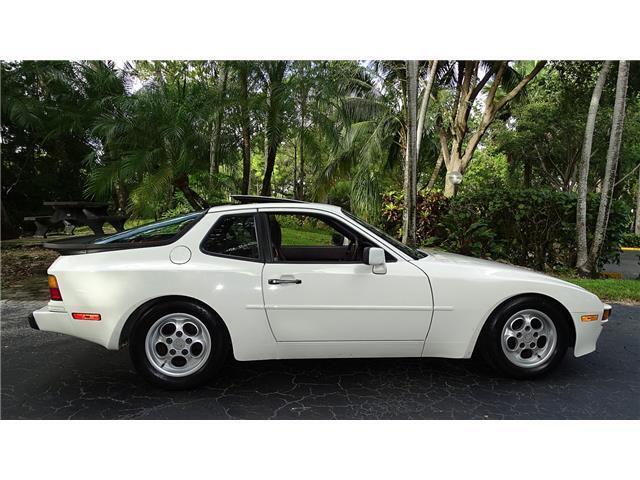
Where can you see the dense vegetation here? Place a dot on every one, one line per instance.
(163, 137)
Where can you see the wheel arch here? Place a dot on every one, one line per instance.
(567, 316)
(142, 309)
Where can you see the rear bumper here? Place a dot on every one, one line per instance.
(54, 318)
(51, 321)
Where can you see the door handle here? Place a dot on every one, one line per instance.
(278, 281)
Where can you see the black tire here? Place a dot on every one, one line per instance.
(219, 342)
(490, 341)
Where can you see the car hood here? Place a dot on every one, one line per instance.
(478, 266)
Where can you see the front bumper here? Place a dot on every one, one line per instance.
(587, 333)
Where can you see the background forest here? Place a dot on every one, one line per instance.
(535, 163)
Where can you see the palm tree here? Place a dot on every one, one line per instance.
(410, 168)
(161, 138)
(273, 74)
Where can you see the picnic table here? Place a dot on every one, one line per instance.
(72, 214)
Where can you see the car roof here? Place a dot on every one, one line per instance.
(278, 205)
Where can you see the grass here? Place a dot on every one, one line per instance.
(294, 236)
(610, 290)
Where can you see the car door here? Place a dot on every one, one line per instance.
(317, 288)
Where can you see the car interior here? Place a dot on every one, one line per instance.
(336, 243)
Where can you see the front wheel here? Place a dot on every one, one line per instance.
(525, 338)
(178, 345)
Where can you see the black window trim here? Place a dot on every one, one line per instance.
(317, 213)
(257, 226)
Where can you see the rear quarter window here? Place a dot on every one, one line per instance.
(164, 231)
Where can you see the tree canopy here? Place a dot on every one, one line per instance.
(160, 137)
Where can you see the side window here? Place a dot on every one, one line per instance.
(308, 231)
(310, 238)
(233, 235)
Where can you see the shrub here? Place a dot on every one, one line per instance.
(630, 240)
(530, 227)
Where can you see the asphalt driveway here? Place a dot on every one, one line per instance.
(50, 376)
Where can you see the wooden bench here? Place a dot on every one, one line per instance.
(96, 222)
(44, 224)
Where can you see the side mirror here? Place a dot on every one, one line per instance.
(375, 257)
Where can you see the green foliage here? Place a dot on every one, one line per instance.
(488, 169)
(531, 227)
(630, 240)
(160, 138)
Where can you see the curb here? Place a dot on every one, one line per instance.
(630, 249)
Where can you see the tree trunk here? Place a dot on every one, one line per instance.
(637, 227)
(295, 171)
(214, 145)
(273, 134)
(450, 188)
(194, 199)
(268, 170)
(581, 209)
(468, 89)
(121, 196)
(410, 187)
(8, 228)
(615, 140)
(246, 132)
(424, 105)
(300, 185)
(436, 171)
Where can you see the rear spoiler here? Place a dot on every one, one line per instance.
(84, 244)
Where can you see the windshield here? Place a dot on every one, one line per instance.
(162, 231)
(412, 252)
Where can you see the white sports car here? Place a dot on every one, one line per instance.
(275, 279)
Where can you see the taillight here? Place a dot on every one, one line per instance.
(54, 290)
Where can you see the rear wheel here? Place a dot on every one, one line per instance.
(178, 345)
(525, 338)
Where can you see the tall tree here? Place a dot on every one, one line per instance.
(615, 140)
(243, 77)
(274, 128)
(458, 143)
(637, 223)
(216, 128)
(410, 168)
(636, 229)
(581, 209)
(424, 104)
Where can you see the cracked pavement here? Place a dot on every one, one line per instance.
(51, 376)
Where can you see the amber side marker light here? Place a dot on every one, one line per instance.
(589, 318)
(54, 290)
(86, 316)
